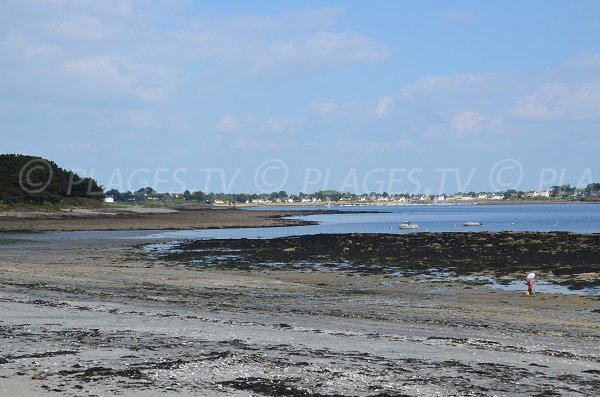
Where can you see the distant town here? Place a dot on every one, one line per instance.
(557, 193)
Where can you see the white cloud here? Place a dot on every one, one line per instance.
(298, 19)
(443, 84)
(283, 125)
(30, 48)
(101, 67)
(82, 27)
(560, 101)
(142, 119)
(333, 111)
(295, 42)
(323, 108)
(383, 107)
(151, 94)
(343, 47)
(308, 52)
(250, 125)
(465, 122)
(472, 122)
(110, 7)
(102, 51)
(228, 123)
(584, 62)
(120, 76)
(577, 69)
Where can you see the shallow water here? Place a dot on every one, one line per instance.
(577, 218)
(544, 287)
(510, 284)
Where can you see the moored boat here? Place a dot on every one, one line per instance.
(408, 225)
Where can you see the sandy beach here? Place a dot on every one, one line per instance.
(142, 218)
(98, 316)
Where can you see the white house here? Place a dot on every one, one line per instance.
(109, 199)
(535, 193)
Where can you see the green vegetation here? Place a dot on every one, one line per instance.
(31, 180)
(560, 192)
(150, 197)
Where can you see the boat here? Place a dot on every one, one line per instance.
(471, 223)
(408, 225)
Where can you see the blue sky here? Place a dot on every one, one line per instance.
(254, 96)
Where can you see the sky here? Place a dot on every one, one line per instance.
(260, 96)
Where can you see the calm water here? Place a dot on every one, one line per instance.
(580, 218)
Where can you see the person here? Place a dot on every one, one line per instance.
(530, 282)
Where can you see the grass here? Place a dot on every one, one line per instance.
(53, 207)
(46, 207)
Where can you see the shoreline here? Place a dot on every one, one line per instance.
(150, 219)
(94, 316)
(388, 204)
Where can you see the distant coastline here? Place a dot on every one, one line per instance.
(390, 204)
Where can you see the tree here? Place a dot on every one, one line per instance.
(34, 180)
(592, 189)
(509, 194)
(199, 197)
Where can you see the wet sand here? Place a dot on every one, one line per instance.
(141, 218)
(99, 317)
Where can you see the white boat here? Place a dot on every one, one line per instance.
(408, 225)
(471, 223)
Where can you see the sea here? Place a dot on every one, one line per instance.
(577, 218)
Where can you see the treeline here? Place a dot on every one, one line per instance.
(35, 180)
(592, 189)
(149, 193)
(564, 192)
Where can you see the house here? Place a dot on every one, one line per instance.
(535, 193)
(109, 199)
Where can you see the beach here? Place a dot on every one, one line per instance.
(101, 316)
(146, 218)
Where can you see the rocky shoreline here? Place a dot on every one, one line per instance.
(573, 257)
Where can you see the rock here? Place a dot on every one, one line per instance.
(39, 376)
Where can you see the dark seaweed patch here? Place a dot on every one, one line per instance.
(499, 253)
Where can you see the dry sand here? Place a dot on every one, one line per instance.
(95, 317)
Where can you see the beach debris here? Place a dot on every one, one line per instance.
(39, 376)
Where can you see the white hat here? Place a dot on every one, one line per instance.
(531, 275)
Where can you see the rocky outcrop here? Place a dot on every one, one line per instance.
(463, 253)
